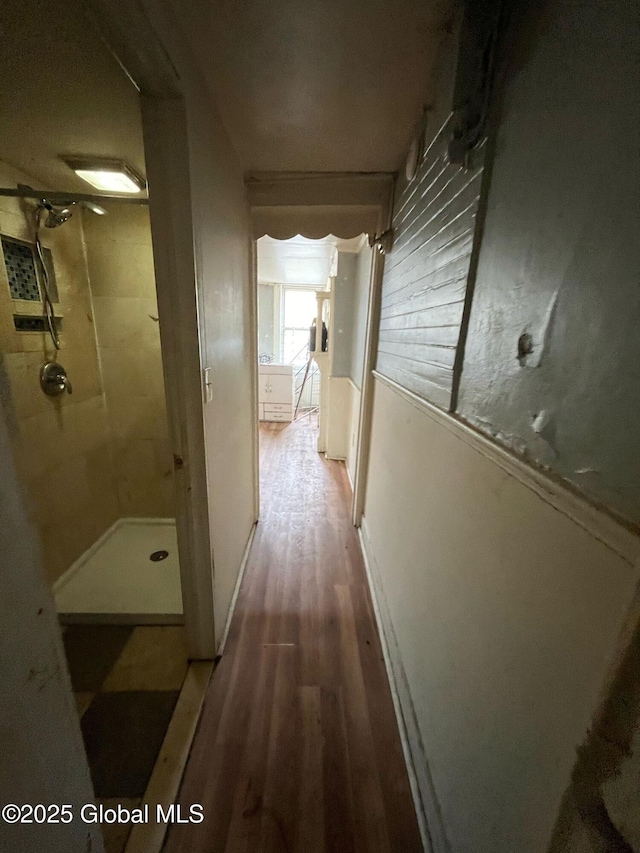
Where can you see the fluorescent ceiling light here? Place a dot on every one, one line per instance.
(111, 176)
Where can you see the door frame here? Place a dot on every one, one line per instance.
(131, 38)
(344, 204)
(365, 416)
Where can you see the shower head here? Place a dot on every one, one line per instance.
(57, 214)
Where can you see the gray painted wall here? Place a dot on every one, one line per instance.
(360, 305)
(560, 257)
(351, 298)
(344, 309)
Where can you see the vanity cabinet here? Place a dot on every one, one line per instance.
(275, 392)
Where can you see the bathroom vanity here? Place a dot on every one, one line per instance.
(275, 392)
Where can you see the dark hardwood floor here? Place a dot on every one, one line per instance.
(298, 749)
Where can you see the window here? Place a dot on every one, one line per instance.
(299, 307)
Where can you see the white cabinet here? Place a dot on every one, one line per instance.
(275, 392)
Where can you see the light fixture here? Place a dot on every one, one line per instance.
(94, 208)
(111, 176)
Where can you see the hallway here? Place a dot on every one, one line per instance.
(298, 749)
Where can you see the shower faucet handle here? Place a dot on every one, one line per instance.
(54, 380)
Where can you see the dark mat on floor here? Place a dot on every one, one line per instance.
(123, 733)
(92, 651)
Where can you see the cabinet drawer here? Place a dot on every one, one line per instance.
(277, 407)
(270, 415)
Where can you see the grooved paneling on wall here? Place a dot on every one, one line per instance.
(425, 277)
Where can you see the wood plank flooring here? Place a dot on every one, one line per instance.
(298, 748)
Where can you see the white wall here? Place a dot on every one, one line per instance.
(344, 417)
(222, 252)
(502, 614)
(354, 422)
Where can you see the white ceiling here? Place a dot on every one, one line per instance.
(62, 92)
(300, 260)
(330, 85)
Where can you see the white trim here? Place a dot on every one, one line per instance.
(167, 157)
(255, 392)
(597, 522)
(236, 590)
(365, 415)
(393, 668)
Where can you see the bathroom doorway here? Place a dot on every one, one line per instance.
(88, 426)
(82, 388)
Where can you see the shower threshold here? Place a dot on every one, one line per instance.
(131, 575)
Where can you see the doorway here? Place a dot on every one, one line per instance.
(85, 401)
(312, 307)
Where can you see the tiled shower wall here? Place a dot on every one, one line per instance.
(120, 262)
(101, 453)
(62, 444)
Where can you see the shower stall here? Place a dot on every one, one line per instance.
(82, 382)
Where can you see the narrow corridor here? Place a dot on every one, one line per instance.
(298, 747)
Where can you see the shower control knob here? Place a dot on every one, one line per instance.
(54, 380)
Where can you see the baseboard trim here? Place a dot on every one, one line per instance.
(236, 590)
(620, 536)
(172, 759)
(425, 802)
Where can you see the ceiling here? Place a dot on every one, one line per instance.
(335, 85)
(62, 92)
(331, 85)
(301, 261)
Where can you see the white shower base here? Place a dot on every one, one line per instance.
(115, 582)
